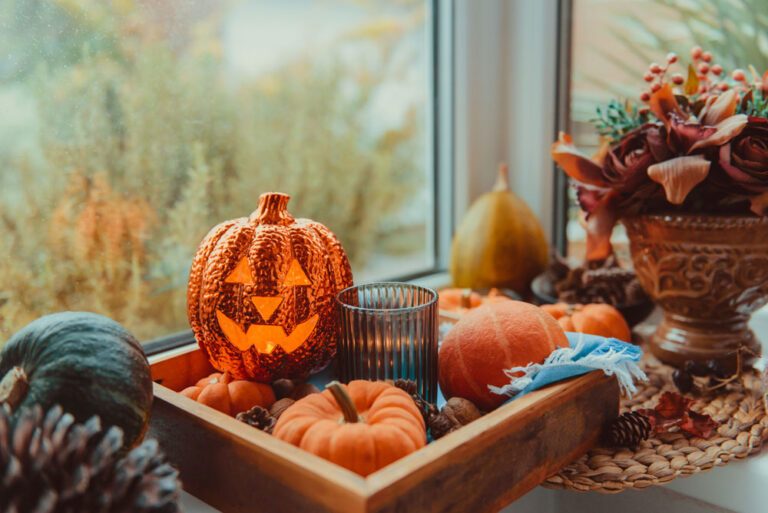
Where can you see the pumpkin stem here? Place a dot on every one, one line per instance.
(344, 401)
(502, 180)
(273, 209)
(14, 387)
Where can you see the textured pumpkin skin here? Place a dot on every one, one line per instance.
(498, 335)
(267, 243)
(222, 393)
(392, 427)
(594, 319)
(88, 364)
(499, 243)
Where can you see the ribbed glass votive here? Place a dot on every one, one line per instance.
(389, 331)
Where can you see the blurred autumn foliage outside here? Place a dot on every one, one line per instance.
(125, 137)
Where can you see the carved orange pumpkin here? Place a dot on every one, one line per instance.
(261, 293)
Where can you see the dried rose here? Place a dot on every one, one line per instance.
(745, 158)
(627, 162)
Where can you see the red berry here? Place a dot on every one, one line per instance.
(722, 86)
(704, 68)
(648, 77)
(716, 69)
(738, 75)
(706, 57)
(677, 79)
(645, 96)
(671, 57)
(655, 68)
(696, 52)
(655, 87)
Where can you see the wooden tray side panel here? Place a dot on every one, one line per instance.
(528, 448)
(234, 475)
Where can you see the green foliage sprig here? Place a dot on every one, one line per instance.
(757, 106)
(615, 120)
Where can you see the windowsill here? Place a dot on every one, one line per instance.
(737, 487)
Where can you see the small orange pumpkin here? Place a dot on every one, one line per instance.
(363, 426)
(230, 396)
(261, 293)
(593, 319)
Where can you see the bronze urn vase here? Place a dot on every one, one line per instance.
(708, 274)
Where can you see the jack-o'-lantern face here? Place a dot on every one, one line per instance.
(265, 337)
(261, 293)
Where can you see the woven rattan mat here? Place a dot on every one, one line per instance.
(744, 428)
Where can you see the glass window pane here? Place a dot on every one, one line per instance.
(131, 127)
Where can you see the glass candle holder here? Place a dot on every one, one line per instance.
(389, 332)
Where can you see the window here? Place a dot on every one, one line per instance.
(613, 41)
(131, 128)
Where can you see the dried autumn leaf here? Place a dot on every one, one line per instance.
(674, 410)
(575, 164)
(672, 405)
(599, 223)
(691, 85)
(699, 424)
(759, 204)
(720, 107)
(726, 130)
(664, 104)
(679, 176)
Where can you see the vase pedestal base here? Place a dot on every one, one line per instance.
(678, 339)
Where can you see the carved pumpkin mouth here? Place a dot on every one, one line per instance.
(266, 337)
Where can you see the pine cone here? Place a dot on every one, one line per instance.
(51, 464)
(409, 387)
(628, 430)
(440, 425)
(258, 417)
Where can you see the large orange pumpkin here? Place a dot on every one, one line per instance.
(221, 392)
(261, 293)
(363, 426)
(594, 319)
(498, 335)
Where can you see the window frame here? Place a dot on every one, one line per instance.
(439, 159)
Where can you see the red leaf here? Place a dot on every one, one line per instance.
(699, 424)
(672, 405)
(675, 410)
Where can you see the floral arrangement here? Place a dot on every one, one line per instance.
(698, 143)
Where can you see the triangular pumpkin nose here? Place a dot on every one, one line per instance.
(266, 305)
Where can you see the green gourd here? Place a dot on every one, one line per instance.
(499, 243)
(84, 362)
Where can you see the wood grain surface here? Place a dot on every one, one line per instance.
(481, 467)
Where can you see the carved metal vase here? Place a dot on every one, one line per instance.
(708, 274)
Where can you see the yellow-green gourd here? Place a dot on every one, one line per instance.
(499, 243)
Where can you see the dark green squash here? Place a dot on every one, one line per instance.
(87, 363)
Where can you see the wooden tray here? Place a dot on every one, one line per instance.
(480, 467)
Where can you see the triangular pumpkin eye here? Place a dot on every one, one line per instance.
(296, 276)
(241, 273)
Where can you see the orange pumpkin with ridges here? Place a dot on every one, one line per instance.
(593, 319)
(261, 293)
(230, 396)
(489, 339)
(362, 426)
